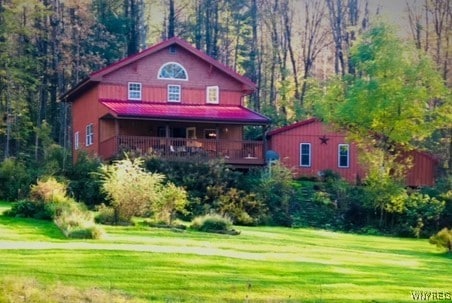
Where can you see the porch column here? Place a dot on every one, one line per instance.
(265, 129)
(167, 136)
(116, 136)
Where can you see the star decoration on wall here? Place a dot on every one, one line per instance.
(324, 140)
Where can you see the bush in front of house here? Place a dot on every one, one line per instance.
(443, 239)
(276, 190)
(213, 223)
(196, 177)
(85, 180)
(48, 201)
(241, 207)
(133, 191)
(75, 221)
(45, 199)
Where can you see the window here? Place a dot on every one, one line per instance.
(212, 94)
(172, 70)
(191, 133)
(305, 154)
(76, 140)
(174, 92)
(172, 49)
(134, 91)
(89, 134)
(343, 155)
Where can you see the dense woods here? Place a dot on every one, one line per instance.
(290, 48)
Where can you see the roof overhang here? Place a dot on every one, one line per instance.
(184, 112)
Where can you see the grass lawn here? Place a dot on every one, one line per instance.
(263, 264)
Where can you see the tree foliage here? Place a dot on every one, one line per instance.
(135, 192)
(388, 104)
(442, 239)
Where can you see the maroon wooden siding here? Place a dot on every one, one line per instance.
(323, 156)
(159, 94)
(84, 112)
(286, 141)
(423, 171)
(200, 75)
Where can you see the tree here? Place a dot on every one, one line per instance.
(314, 40)
(430, 25)
(347, 18)
(135, 192)
(387, 104)
(131, 189)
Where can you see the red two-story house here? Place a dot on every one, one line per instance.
(171, 100)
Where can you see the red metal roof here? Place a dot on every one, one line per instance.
(292, 126)
(184, 112)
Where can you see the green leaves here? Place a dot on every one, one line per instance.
(389, 93)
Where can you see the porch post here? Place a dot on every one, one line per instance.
(116, 147)
(265, 129)
(167, 135)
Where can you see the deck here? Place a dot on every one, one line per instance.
(235, 152)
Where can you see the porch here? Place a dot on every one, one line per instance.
(234, 152)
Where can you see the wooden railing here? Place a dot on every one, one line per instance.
(240, 152)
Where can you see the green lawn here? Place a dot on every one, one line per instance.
(263, 264)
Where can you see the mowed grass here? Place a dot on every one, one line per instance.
(263, 264)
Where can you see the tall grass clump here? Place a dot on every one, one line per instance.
(213, 223)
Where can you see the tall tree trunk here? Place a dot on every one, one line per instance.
(171, 19)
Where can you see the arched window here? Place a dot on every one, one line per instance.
(172, 70)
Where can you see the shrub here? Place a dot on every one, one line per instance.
(131, 189)
(172, 199)
(213, 223)
(49, 201)
(421, 215)
(15, 180)
(196, 176)
(85, 181)
(276, 191)
(92, 232)
(48, 190)
(76, 222)
(241, 207)
(24, 208)
(106, 215)
(443, 239)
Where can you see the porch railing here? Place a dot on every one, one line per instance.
(240, 152)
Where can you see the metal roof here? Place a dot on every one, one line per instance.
(184, 112)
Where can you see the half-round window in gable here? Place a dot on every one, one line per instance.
(172, 70)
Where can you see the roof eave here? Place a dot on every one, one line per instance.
(188, 119)
(80, 88)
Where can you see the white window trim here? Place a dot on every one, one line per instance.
(310, 154)
(77, 140)
(176, 79)
(129, 91)
(217, 94)
(168, 92)
(339, 155)
(89, 139)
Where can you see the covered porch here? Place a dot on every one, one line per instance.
(235, 152)
(181, 132)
